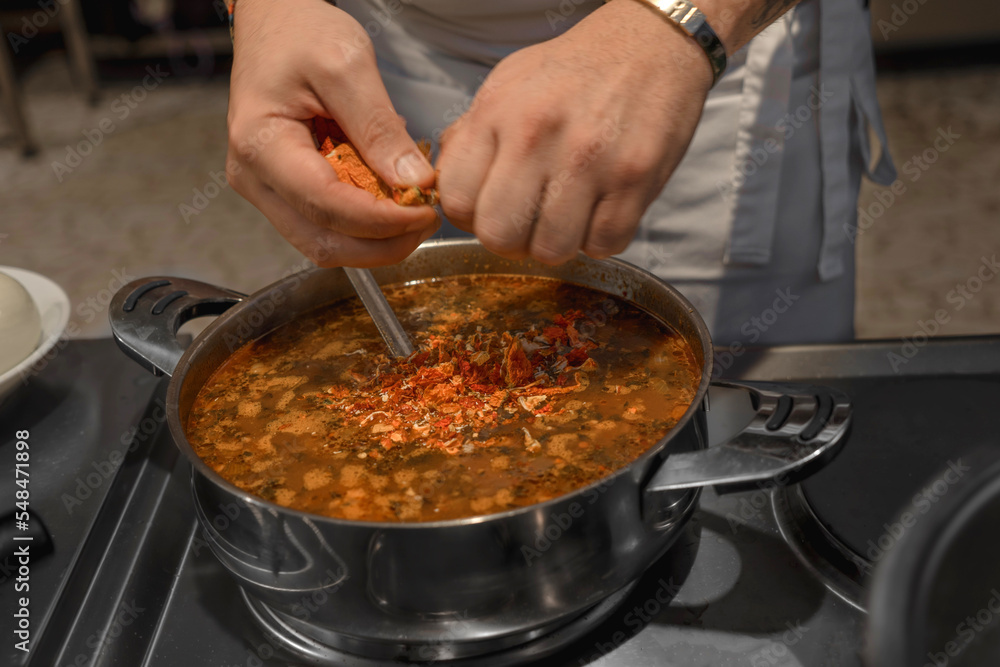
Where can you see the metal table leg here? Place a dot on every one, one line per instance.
(11, 94)
(81, 59)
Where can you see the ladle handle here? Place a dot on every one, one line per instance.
(381, 312)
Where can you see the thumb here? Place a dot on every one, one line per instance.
(379, 134)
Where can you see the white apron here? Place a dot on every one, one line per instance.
(752, 225)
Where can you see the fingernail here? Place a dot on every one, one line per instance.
(413, 169)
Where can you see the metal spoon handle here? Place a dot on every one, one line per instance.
(381, 312)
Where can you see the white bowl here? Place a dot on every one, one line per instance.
(53, 306)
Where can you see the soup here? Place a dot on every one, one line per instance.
(521, 389)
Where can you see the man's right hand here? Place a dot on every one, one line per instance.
(293, 60)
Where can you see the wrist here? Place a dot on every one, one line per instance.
(247, 6)
(737, 23)
(684, 18)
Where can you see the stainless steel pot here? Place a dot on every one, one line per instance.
(460, 588)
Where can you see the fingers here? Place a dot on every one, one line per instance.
(563, 223)
(363, 110)
(533, 193)
(568, 220)
(516, 210)
(291, 166)
(464, 162)
(307, 60)
(613, 223)
(327, 248)
(509, 204)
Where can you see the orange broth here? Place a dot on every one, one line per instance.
(521, 389)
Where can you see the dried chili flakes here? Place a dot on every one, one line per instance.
(351, 167)
(454, 387)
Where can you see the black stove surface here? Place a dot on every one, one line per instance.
(905, 447)
(131, 582)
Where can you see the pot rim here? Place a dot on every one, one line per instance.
(643, 461)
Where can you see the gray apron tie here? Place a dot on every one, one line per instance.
(847, 74)
(760, 144)
(846, 85)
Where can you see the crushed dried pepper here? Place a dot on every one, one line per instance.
(351, 167)
(453, 385)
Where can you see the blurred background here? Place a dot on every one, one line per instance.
(113, 140)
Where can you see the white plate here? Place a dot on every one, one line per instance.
(53, 306)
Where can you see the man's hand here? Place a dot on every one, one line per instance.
(296, 59)
(569, 141)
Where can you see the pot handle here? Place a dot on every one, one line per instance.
(797, 429)
(146, 314)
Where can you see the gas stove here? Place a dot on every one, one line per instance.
(124, 576)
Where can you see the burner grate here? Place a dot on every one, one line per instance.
(294, 638)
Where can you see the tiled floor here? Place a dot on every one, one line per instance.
(932, 238)
(117, 211)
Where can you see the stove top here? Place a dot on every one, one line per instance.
(769, 581)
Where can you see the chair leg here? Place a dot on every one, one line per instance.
(75, 34)
(12, 98)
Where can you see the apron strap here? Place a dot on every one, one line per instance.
(760, 144)
(865, 97)
(836, 58)
(848, 74)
